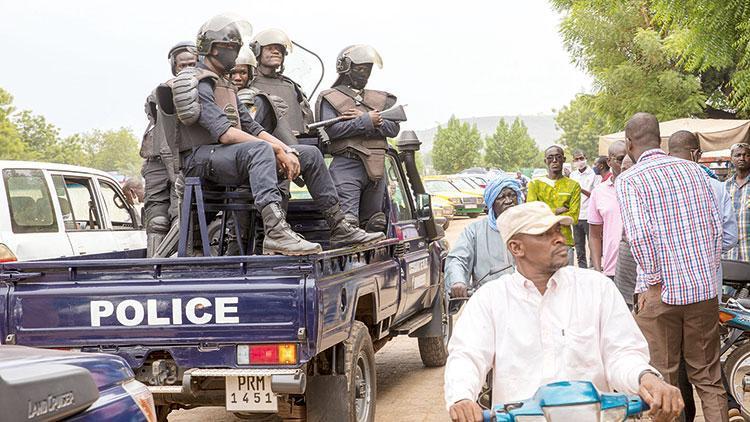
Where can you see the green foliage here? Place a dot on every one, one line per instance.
(36, 133)
(457, 146)
(26, 136)
(581, 126)
(112, 150)
(710, 38)
(510, 147)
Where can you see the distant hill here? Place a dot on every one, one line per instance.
(541, 127)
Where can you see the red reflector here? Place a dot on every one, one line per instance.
(725, 316)
(398, 232)
(268, 354)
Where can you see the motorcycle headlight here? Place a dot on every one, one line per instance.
(578, 413)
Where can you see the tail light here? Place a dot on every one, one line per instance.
(6, 255)
(267, 354)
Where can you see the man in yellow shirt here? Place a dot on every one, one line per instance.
(561, 193)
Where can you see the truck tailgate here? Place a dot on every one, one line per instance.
(157, 302)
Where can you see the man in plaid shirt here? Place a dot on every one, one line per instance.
(674, 228)
(739, 191)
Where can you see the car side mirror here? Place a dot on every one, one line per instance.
(424, 206)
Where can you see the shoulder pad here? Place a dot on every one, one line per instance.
(247, 96)
(297, 86)
(390, 100)
(185, 95)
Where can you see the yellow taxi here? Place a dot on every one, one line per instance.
(443, 211)
(464, 203)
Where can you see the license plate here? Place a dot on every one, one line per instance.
(250, 393)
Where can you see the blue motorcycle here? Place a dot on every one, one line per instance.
(734, 315)
(569, 401)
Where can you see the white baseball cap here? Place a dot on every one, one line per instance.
(532, 218)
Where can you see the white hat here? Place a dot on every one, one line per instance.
(532, 218)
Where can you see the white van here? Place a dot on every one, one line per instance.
(55, 210)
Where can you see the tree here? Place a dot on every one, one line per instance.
(710, 38)
(581, 126)
(111, 150)
(457, 146)
(36, 133)
(11, 146)
(627, 51)
(510, 147)
(495, 154)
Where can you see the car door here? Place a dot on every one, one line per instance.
(411, 251)
(121, 217)
(30, 225)
(82, 214)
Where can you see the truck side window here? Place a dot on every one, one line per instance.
(400, 210)
(77, 202)
(30, 202)
(116, 207)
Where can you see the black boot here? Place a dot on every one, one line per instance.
(376, 223)
(343, 233)
(279, 236)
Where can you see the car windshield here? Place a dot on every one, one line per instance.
(462, 185)
(436, 186)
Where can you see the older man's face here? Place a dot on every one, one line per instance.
(546, 250)
(741, 157)
(507, 198)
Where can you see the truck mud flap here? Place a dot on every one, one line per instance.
(434, 328)
(320, 390)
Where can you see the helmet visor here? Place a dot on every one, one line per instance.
(220, 22)
(361, 54)
(274, 36)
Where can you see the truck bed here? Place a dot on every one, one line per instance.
(194, 308)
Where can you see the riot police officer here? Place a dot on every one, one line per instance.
(158, 170)
(219, 141)
(270, 48)
(268, 110)
(358, 144)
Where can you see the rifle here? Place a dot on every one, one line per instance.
(394, 114)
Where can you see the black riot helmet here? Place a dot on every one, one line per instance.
(225, 28)
(178, 48)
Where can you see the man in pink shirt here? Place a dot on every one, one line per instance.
(605, 220)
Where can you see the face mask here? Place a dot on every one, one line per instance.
(596, 171)
(579, 165)
(357, 81)
(226, 57)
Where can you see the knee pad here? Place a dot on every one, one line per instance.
(158, 224)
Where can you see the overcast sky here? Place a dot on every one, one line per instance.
(90, 64)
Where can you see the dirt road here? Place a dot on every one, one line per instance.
(407, 391)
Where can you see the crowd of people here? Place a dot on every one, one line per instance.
(638, 314)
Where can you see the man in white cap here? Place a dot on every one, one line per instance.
(548, 322)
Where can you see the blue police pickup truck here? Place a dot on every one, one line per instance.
(270, 337)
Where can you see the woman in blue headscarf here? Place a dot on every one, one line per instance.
(479, 254)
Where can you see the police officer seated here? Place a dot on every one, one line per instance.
(225, 145)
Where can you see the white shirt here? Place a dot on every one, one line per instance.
(580, 329)
(588, 180)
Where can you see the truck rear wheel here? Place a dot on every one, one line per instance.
(360, 372)
(473, 214)
(433, 351)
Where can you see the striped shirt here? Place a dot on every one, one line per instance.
(740, 196)
(673, 225)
